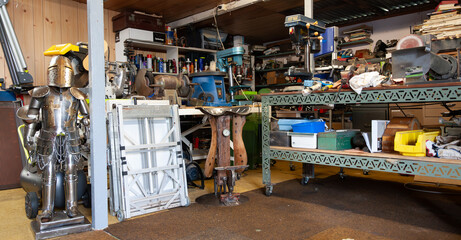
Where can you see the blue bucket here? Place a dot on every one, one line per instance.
(309, 127)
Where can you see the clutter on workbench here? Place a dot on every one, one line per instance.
(445, 147)
(364, 80)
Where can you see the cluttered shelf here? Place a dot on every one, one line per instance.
(363, 41)
(279, 85)
(162, 47)
(352, 152)
(276, 54)
(272, 69)
(385, 162)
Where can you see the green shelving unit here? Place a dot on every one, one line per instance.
(422, 166)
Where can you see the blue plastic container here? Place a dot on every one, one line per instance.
(309, 127)
(286, 123)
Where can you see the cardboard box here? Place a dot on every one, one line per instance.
(275, 78)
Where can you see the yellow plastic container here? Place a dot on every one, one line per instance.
(413, 143)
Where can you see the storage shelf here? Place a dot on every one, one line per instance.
(275, 55)
(163, 73)
(163, 48)
(421, 166)
(279, 85)
(273, 69)
(364, 41)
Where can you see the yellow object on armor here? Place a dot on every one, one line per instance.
(61, 49)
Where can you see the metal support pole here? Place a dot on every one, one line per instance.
(308, 169)
(309, 12)
(231, 83)
(98, 138)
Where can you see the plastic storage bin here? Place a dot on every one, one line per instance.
(285, 124)
(303, 140)
(280, 138)
(309, 127)
(413, 143)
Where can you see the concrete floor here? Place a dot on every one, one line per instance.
(15, 224)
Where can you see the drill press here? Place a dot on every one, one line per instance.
(227, 59)
(304, 32)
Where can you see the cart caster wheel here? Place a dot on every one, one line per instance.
(304, 181)
(31, 205)
(120, 216)
(292, 167)
(365, 172)
(269, 190)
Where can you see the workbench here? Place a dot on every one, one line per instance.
(424, 166)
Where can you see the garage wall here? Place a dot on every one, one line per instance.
(39, 24)
(389, 28)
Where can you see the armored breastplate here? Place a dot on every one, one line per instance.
(59, 111)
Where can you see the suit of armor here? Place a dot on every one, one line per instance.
(56, 107)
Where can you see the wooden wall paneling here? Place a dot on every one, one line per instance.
(39, 24)
(39, 60)
(82, 23)
(111, 40)
(24, 28)
(69, 22)
(51, 25)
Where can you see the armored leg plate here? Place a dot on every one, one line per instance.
(60, 225)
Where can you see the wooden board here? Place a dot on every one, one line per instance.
(365, 154)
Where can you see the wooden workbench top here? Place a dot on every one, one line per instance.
(353, 152)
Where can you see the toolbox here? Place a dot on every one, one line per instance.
(336, 140)
(129, 19)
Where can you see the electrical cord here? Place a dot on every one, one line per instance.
(217, 28)
(412, 186)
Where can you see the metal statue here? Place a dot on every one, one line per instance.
(57, 146)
